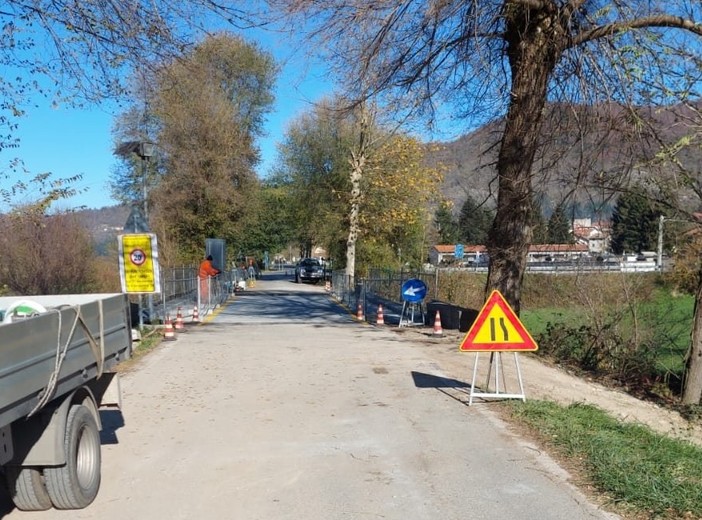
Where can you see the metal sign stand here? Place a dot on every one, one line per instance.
(495, 362)
(407, 316)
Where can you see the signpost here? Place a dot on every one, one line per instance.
(413, 292)
(138, 264)
(138, 260)
(497, 329)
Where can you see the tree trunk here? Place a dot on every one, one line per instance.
(692, 391)
(354, 224)
(532, 49)
(357, 162)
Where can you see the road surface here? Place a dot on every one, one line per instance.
(283, 407)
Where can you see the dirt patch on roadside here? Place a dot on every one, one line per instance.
(553, 383)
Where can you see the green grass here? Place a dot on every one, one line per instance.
(664, 318)
(536, 321)
(651, 474)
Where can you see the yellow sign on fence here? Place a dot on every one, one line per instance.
(138, 263)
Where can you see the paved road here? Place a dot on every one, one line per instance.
(283, 407)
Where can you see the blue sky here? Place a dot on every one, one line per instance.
(67, 141)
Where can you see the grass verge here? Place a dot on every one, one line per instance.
(643, 473)
(150, 338)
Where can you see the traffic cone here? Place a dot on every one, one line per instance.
(438, 331)
(380, 320)
(327, 286)
(179, 326)
(196, 315)
(170, 333)
(359, 312)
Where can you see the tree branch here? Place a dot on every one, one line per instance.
(608, 30)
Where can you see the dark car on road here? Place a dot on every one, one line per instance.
(310, 270)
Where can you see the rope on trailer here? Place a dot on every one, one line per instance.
(48, 392)
(98, 350)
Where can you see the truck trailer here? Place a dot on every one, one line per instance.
(58, 356)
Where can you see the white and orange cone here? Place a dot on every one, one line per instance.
(381, 319)
(327, 286)
(196, 315)
(359, 312)
(438, 331)
(179, 325)
(170, 333)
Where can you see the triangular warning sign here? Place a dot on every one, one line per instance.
(497, 329)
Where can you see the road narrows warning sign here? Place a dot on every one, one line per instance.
(497, 329)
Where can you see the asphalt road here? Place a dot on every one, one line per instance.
(283, 407)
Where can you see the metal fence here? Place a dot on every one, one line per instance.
(380, 287)
(383, 286)
(182, 292)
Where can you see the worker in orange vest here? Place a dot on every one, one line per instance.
(204, 273)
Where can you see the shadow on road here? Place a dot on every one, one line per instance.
(422, 380)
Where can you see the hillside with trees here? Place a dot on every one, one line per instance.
(587, 157)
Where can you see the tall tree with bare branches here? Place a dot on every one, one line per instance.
(507, 58)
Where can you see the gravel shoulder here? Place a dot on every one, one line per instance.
(548, 382)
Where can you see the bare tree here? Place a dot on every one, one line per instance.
(45, 254)
(508, 57)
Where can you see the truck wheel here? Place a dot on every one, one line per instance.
(75, 484)
(26, 487)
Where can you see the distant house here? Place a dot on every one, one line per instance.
(595, 235)
(477, 254)
(446, 254)
(556, 252)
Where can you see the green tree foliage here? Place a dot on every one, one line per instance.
(312, 160)
(474, 222)
(269, 225)
(210, 105)
(45, 254)
(537, 224)
(559, 228)
(634, 223)
(446, 224)
(396, 188)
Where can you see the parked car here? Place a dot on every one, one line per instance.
(309, 269)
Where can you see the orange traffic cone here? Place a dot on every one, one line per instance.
(327, 286)
(196, 315)
(359, 312)
(438, 331)
(380, 320)
(170, 333)
(179, 325)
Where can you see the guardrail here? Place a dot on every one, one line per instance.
(181, 291)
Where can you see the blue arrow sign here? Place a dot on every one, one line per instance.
(459, 251)
(413, 290)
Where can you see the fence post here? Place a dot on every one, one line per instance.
(436, 283)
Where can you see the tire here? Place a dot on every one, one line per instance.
(26, 488)
(75, 484)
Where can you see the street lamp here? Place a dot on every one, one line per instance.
(144, 150)
(137, 223)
